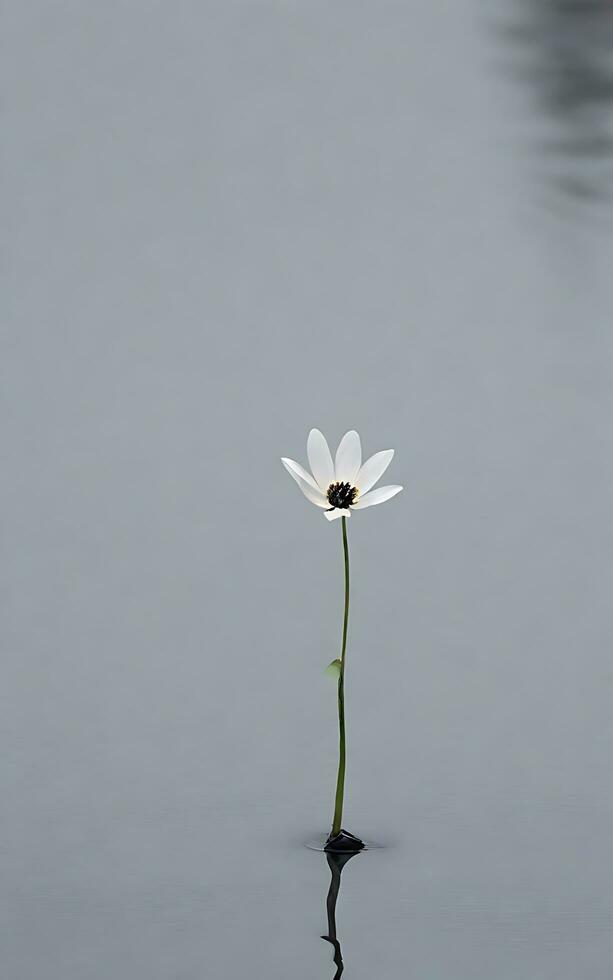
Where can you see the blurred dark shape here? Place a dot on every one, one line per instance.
(336, 863)
(343, 842)
(566, 50)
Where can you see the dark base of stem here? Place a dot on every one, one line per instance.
(344, 841)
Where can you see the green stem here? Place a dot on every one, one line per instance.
(340, 780)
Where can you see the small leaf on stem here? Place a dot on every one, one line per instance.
(334, 669)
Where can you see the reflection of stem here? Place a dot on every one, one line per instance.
(340, 781)
(336, 863)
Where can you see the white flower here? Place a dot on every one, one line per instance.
(343, 485)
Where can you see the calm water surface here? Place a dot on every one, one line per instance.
(226, 223)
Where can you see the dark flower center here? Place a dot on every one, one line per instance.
(341, 495)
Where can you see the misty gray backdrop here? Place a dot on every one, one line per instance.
(225, 223)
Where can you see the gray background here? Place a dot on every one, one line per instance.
(224, 223)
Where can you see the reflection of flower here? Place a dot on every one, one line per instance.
(343, 485)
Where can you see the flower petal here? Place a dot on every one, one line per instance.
(376, 497)
(333, 515)
(373, 469)
(315, 496)
(320, 459)
(348, 458)
(295, 468)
